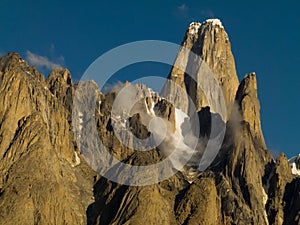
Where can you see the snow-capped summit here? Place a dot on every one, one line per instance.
(295, 164)
(215, 22)
(194, 26)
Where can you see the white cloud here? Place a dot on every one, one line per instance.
(42, 61)
(182, 11)
(183, 8)
(115, 87)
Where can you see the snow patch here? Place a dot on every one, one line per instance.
(294, 163)
(151, 92)
(80, 116)
(295, 170)
(119, 121)
(150, 110)
(265, 199)
(79, 123)
(80, 127)
(77, 160)
(123, 123)
(265, 196)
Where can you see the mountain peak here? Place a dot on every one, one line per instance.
(210, 42)
(13, 55)
(248, 85)
(194, 27)
(12, 60)
(62, 74)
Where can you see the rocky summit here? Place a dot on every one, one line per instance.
(51, 172)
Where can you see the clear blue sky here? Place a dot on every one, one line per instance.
(264, 36)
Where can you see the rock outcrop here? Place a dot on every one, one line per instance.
(280, 175)
(249, 104)
(243, 160)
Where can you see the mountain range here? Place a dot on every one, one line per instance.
(223, 172)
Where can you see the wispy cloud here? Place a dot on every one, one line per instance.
(115, 87)
(183, 8)
(182, 11)
(43, 61)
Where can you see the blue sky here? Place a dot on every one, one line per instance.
(264, 36)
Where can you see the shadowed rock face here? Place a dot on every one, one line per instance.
(45, 179)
